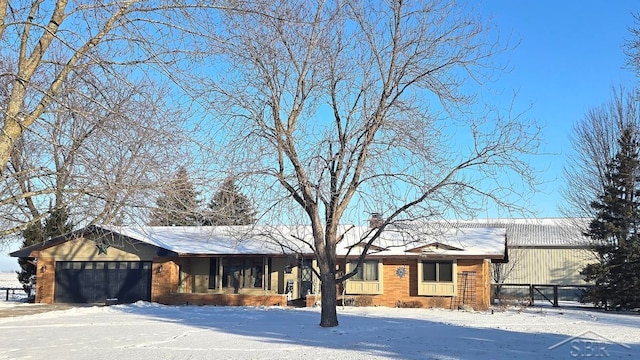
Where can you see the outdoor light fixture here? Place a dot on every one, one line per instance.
(43, 268)
(160, 268)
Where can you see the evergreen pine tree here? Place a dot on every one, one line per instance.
(178, 205)
(229, 206)
(57, 223)
(27, 274)
(614, 231)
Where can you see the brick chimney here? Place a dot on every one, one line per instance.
(375, 220)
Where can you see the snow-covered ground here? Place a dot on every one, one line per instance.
(9, 279)
(151, 331)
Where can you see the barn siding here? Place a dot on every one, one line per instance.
(559, 266)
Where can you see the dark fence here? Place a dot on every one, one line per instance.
(11, 290)
(552, 293)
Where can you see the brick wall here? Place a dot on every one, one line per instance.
(312, 300)
(164, 277)
(480, 299)
(403, 291)
(222, 299)
(394, 287)
(45, 280)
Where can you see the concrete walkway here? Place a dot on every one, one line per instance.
(21, 309)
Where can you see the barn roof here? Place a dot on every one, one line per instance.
(548, 232)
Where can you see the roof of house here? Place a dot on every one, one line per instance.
(230, 240)
(423, 240)
(412, 240)
(477, 238)
(203, 240)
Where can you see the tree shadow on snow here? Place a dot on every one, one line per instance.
(383, 336)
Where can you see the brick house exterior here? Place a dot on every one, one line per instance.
(233, 266)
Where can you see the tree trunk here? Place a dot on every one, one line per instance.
(328, 316)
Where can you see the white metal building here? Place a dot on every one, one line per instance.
(549, 251)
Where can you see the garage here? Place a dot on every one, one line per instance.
(97, 281)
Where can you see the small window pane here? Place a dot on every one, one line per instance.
(370, 270)
(232, 273)
(252, 269)
(445, 272)
(88, 266)
(213, 272)
(99, 265)
(146, 266)
(135, 265)
(358, 275)
(77, 265)
(111, 266)
(428, 271)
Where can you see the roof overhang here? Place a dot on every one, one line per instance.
(33, 251)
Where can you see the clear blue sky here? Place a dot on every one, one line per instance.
(568, 59)
(570, 55)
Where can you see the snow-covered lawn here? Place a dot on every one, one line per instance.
(152, 331)
(9, 279)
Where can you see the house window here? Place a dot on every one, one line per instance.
(437, 271)
(306, 277)
(182, 279)
(213, 271)
(437, 279)
(368, 271)
(367, 280)
(242, 273)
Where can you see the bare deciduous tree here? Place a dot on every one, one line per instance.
(102, 160)
(595, 143)
(349, 107)
(632, 46)
(80, 110)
